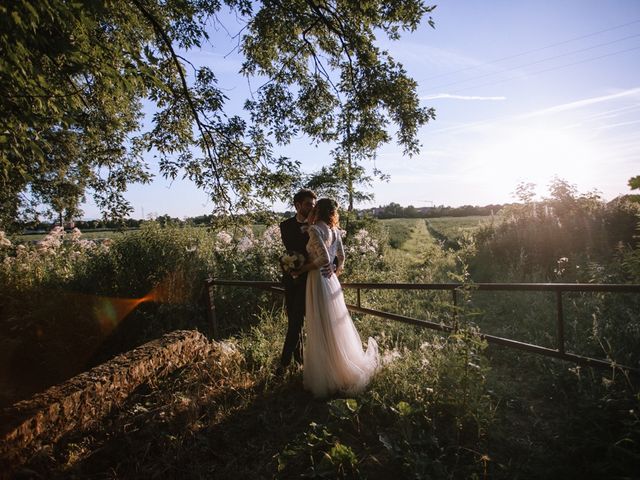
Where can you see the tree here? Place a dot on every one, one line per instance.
(75, 75)
(634, 183)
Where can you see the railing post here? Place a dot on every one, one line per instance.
(454, 293)
(211, 307)
(358, 295)
(560, 319)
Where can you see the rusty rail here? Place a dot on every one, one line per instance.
(559, 352)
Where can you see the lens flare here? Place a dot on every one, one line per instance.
(109, 312)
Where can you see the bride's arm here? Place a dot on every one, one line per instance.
(339, 253)
(319, 251)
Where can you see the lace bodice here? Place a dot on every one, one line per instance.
(324, 245)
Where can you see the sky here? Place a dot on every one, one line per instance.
(524, 91)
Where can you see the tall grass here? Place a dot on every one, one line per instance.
(442, 406)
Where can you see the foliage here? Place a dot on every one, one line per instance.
(399, 232)
(441, 406)
(77, 73)
(576, 230)
(341, 181)
(395, 210)
(69, 302)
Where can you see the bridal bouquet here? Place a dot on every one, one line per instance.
(291, 261)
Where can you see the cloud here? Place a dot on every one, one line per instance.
(621, 124)
(435, 59)
(582, 103)
(459, 97)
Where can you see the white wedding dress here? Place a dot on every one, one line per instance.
(333, 357)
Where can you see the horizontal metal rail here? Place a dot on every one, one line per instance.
(558, 288)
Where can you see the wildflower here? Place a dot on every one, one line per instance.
(223, 238)
(86, 244)
(362, 243)
(562, 264)
(390, 355)
(4, 241)
(271, 237)
(75, 234)
(52, 241)
(245, 244)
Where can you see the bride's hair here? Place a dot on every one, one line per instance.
(327, 211)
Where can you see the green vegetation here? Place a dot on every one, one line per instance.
(86, 234)
(454, 230)
(77, 74)
(442, 406)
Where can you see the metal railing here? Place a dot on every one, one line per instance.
(455, 288)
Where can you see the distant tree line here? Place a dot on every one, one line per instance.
(395, 210)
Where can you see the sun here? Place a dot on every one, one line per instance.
(537, 154)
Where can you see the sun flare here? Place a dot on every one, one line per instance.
(526, 154)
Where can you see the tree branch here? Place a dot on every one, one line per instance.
(185, 89)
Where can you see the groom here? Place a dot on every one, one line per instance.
(295, 237)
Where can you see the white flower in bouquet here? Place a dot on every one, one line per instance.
(291, 261)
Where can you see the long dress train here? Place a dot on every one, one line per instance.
(334, 360)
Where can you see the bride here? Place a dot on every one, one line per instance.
(333, 358)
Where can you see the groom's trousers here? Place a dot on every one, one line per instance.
(294, 297)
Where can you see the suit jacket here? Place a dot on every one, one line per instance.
(294, 235)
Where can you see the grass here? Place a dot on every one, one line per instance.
(451, 231)
(455, 226)
(229, 417)
(446, 407)
(408, 237)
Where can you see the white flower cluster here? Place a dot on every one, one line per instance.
(245, 244)
(54, 255)
(271, 238)
(4, 241)
(75, 234)
(362, 243)
(390, 356)
(52, 242)
(223, 240)
(561, 266)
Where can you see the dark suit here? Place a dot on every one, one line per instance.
(294, 238)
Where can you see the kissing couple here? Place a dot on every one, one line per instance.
(333, 359)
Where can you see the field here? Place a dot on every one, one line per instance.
(456, 227)
(401, 229)
(442, 406)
